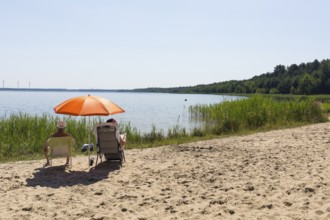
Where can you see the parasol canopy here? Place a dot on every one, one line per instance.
(87, 106)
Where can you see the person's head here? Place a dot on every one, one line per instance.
(111, 120)
(61, 125)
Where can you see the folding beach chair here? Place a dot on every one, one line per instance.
(108, 145)
(60, 147)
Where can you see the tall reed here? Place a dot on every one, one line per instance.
(23, 135)
(256, 112)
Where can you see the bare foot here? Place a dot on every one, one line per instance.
(46, 164)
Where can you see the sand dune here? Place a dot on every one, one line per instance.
(282, 174)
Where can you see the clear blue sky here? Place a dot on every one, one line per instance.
(126, 44)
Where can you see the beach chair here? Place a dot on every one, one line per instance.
(107, 144)
(60, 147)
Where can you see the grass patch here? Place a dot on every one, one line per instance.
(257, 112)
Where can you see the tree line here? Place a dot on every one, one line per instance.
(303, 79)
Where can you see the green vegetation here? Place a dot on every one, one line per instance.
(303, 79)
(22, 135)
(257, 112)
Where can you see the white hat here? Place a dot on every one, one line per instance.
(61, 124)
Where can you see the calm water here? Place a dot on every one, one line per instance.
(142, 109)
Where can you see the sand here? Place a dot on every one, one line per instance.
(283, 174)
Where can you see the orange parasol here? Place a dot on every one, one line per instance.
(88, 105)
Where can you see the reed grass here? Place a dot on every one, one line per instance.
(257, 112)
(23, 135)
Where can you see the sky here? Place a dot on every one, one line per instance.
(128, 44)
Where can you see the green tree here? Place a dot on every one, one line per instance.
(284, 86)
(279, 70)
(307, 84)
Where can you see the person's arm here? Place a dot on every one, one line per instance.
(118, 136)
(123, 139)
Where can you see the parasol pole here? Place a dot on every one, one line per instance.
(89, 141)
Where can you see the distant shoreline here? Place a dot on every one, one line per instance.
(64, 90)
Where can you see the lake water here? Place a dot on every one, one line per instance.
(142, 110)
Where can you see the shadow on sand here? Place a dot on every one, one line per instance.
(58, 176)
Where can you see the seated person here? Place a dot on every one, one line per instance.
(61, 125)
(121, 138)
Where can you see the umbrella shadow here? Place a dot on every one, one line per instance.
(56, 177)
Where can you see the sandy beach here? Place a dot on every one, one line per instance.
(283, 174)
